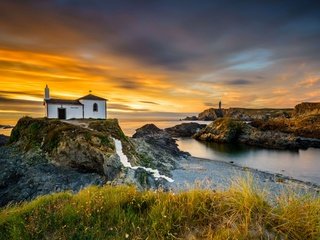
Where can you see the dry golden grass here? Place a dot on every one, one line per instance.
(241, 212)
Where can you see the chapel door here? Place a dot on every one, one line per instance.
(62, 113)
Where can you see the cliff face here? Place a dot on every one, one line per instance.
(245, 114)
(306, 108)
(45, 156)
(210, 114)
(154, 143)
(276, 133)
(222, 130)
(68, 145)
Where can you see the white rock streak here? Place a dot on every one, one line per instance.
(124, 160)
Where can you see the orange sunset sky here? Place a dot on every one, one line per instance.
(158, 59)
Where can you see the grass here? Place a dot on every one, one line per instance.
(122, 212)
(304, 125)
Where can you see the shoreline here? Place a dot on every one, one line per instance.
(217, 174)
(311, 184)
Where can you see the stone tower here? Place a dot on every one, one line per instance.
(46, 93)
(219, 105)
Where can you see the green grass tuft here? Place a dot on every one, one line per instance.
(122, 212)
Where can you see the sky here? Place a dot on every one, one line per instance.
(158, 58)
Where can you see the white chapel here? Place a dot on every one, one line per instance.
(87, 107)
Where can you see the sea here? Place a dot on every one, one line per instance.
(299, 164)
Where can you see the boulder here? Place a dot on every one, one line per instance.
(157, 149)
(147, 130)
(192, 118)
(158, 138)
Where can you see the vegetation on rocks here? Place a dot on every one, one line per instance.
(46, 156)
(271, 129)
(241, 212)
(224, 130)
(307, 125)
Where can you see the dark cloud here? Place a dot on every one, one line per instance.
(239, 82)
(168, 34)
(149, 102)
(126, 83)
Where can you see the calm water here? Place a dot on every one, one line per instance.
(302, 164)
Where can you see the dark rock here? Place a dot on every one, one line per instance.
(222, 130)
(158, 138)
(185, 129)
(147, 130)
(85, 149)
(157, 149)
(226, 130)
(210, 114)
(3, 140)
(20, 181)
(46, 156)
(193, 118)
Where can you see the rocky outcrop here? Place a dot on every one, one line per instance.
(157, 148)
(185, 129)
(3, 140)
(22, 179)
(306, 108)
(67, 145)
(244, 114)
(223, 130)
(210, 114)
(147, 131)
(45, 156)
(247, 114)
(192, 118)
(226, 130)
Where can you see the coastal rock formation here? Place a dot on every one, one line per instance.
(45, 156)
(244, 114)
(22, 180)
(67, 145)
(306, 108)
(247, 114)
(157, 148)
(210, 114)
(185, 129)
(192, 118)
(227, 130)
(222, 130)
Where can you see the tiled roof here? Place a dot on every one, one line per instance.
(92, 97)
(62, 101)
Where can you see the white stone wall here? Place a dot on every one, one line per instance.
(88, 109)
(72, 111)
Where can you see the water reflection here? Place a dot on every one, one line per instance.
(301, 164)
